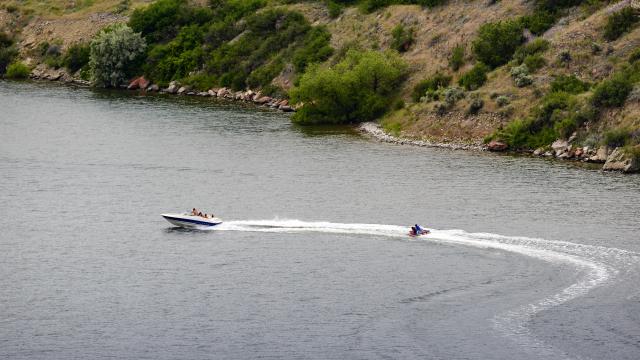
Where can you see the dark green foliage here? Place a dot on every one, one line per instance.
(620, 22)
(335, 9)
(77, 57)
(476, 105)
(534, 62)
(474, 78)
(402, 38)
(617, 137)
(373, 5)
(200, 82)
(17, 70)
(569, 84)
(612, 92)
(565, 128)
(437, 81)
(558, 115)
(315, 48)
(268, 33)
(162, 20)
(635, 56)
(540, 21)
(534, 47)
(555, 5)
(8, 51)
(497, 42)
(231, 44)
(457, 58)
(177, 58)
(361, 87)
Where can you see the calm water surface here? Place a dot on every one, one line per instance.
(529, 259)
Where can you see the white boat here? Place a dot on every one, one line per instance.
(191, 221)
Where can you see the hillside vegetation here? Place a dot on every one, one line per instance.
(522, 73)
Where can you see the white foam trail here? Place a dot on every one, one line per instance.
(598, 264)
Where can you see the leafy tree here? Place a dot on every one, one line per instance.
(162, 20)
(115, 54)
(358, 88)
(497, 42)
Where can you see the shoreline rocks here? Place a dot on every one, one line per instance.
(374, 130)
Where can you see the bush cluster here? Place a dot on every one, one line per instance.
(77, 57)
(569, 84)
(8, 51)
(474, 78)
(617, 137)
(432, 84)
(358, 88)
(233, 43)
(497, 42)
(457, 58)
(620, 22)
(612, 92)
(17, 70)
(520, 75)
(373, 5)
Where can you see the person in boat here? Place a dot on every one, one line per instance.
(200, 213)
(413, 231)
(194, 212)
(418, 229)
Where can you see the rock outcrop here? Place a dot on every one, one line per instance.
(619, 160)
(495, 145)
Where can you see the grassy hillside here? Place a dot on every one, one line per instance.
(525, 73)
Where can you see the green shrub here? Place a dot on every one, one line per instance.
(402, 38)
(474, 78)
(569, 84)
(534, 62)
(17, 70)
(566, 127)
(201, 82)
(77, 57)
(335, 9)
(635, 56)
(535, 47)
(457, 58)
(315, 48)
(502, 101)
(163, 19)
(520, 75)
(617, 137)
(619, 23)
(555, 5)
(526, 134)
(612, 92)
(497, 42)
(438, 80)
(8, 51)
(115, 55)
(359, 88)
(476, 105)
(539, 22)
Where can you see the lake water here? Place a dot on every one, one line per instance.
(528, 259)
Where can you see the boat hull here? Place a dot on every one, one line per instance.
(191, 222)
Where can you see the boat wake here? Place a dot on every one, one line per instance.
(595, 265)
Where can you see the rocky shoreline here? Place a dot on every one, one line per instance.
(42, 72)
(375, 131)
(613, 159)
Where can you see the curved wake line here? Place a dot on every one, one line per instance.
(599, 264)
